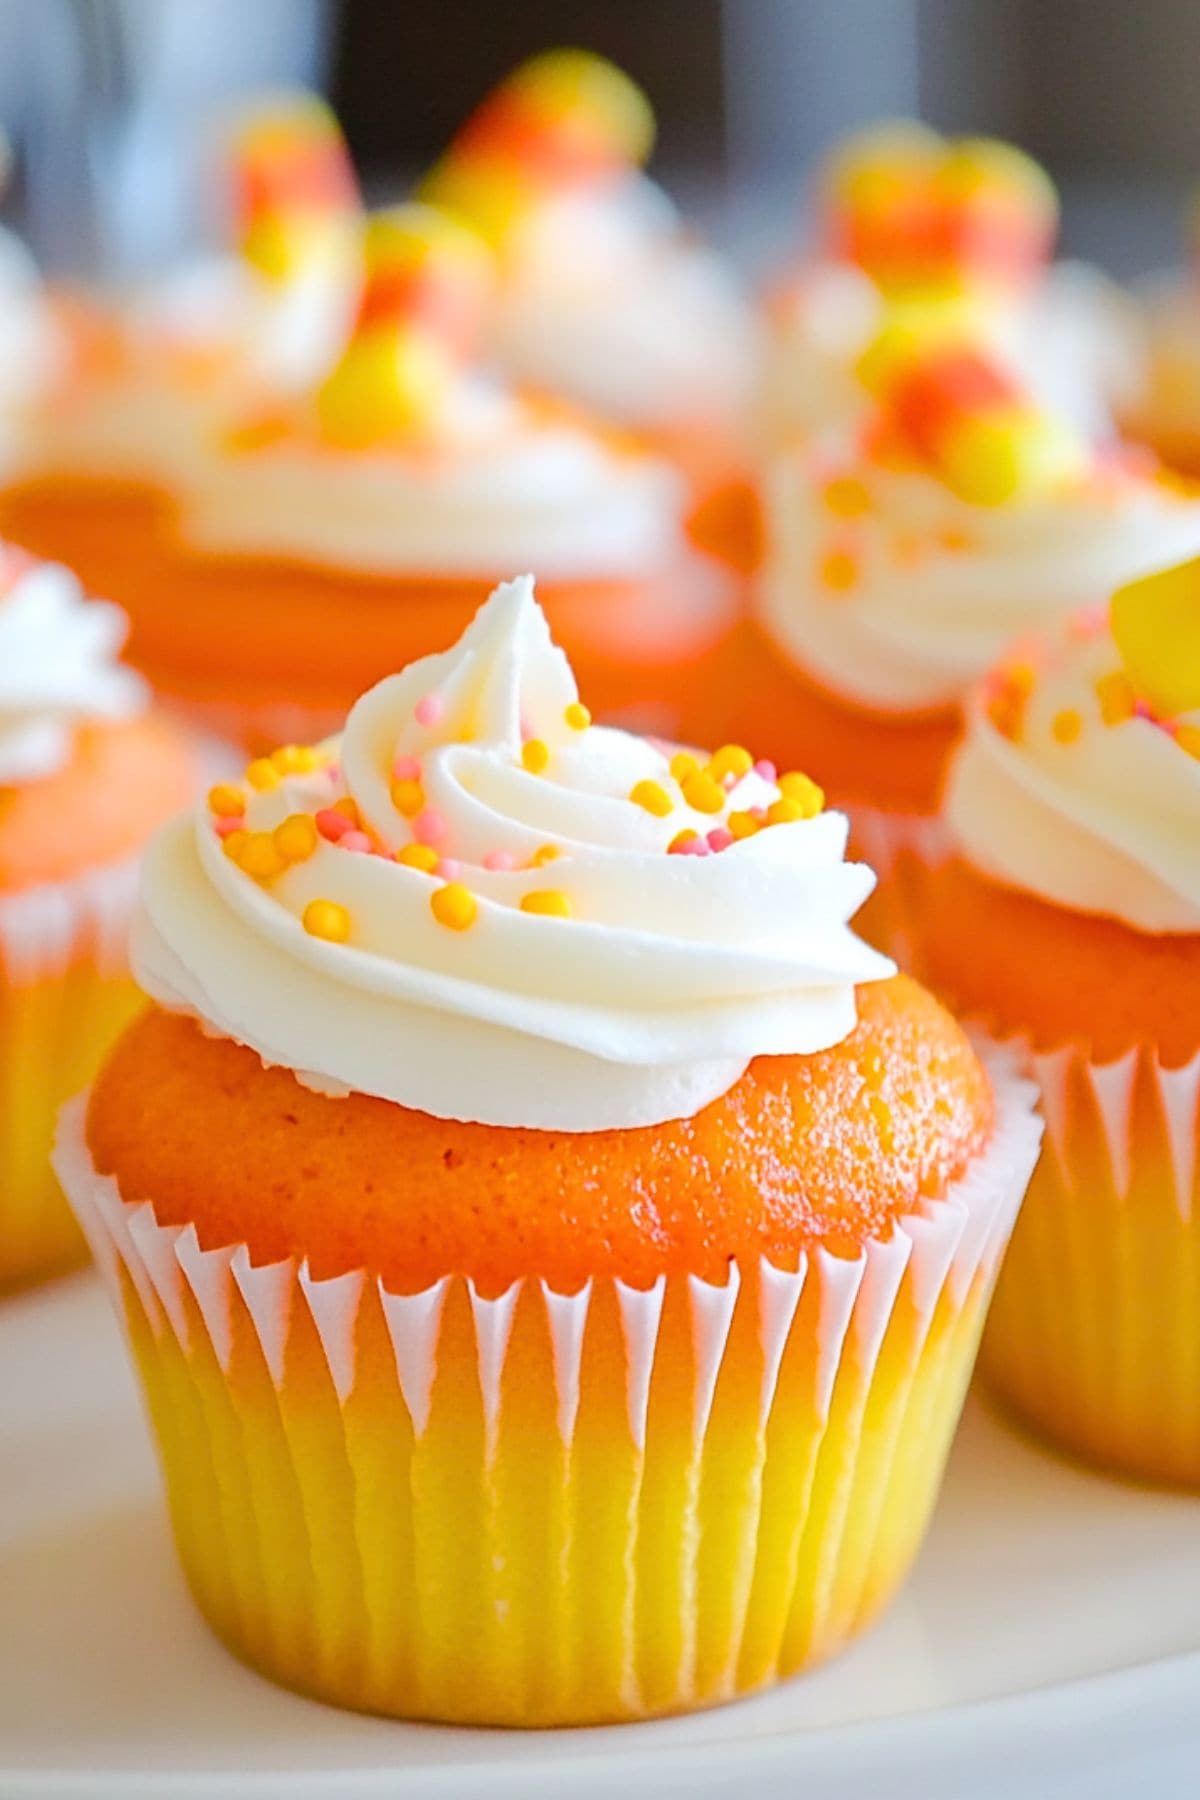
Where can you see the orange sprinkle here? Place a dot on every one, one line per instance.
(846, 497)
(408, 797)
(454, 906)
(262, 775)
(786, 812)
(803, 792)
(294, 759)
(348, 807)
(234, 844)
(744, 824)
(418, 856)
(535, 755)
(681, 838)
(551, 902)
(683, 764)
(1067, 725)
(702, 793)
(326, 919)
(653, 797)
(730, 759)
(1116, 697)
(839, 570)
(227, 801)
(548, 853)
(259, 856)
(297, 838)
(955, 538)
(577, 716)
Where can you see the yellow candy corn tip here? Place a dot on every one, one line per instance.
(275, 122)
(1156, 624)
(561, 82)
(1012, 456)
(387, 386)
(972, 165)
(872, 164)
(917, 325)
(487, 196)
(278, 245)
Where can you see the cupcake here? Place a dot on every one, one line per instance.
(904, 554)
(323, 540)
(1068, 916)
(553, 1283)
(1157, 382)
(86, 773)
(604, 299)
(962, 228)
(144, 377)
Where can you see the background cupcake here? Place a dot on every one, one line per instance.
(1157, 385)
(322, 541)
(1070, 918)
(86, 773)
(536, 1358)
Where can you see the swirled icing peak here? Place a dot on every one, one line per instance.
(58, 666)
(480, 905)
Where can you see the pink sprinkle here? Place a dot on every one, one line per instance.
(499, 860)
(757, 812)
(225, 826)
(406, 768)
(333, 773)
(448, 869)
(1141, 710)
(766, 769)
(720, 838)
(354, 840)
(696, 846)
(429, 827)
(429, 709)
(332, 824)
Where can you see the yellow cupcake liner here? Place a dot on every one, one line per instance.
(537, 1508)
(1094, 1337)
(65, 995)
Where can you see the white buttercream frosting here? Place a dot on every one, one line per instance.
(942, 585)
(606, 300)
(670, 974)
(1107, 822)
(58, 666)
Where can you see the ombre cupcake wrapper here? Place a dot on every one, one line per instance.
(64, 995)
(1094, 1338)
(534, 1507)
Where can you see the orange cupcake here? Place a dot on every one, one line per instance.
(904, 555)
(143, 377)
(553, 1286)
(1157, 383)
(1069, 920)
(603, 298)
(86, 773)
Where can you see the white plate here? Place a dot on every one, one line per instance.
(1049, 1642)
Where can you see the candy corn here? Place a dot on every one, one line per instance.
(425, 284)
(1156, 624)
(291, 178)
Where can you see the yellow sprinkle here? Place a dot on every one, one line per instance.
(408, 797)
(785, 812)
(577, 716)
(653, 797)
(227, 801)
(454, 906)
(293, 759)
(1116, 697)
(296, 838)
(730, 759)
(418, 856)
(838, 570)
(547, 854)
(326, 919)
(234, 844)
(1188, 739)
(803, 792)
(683, 764)
(259, 857)
(1067, 725)
(535, 755)
(702, 793)
(846, 497)
(743, 824)
(262, 775)
(348, 807)
(550, 901)
(682, 837)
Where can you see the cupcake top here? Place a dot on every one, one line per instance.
(906, 552)
(406, 459)
(603, 297)
(479, 905)
(58, 666)
(1079, 777)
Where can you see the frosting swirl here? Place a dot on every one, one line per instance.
(58, 666)
(890, 588)
(1067, 787)
(502, 935)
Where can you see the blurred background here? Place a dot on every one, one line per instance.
(105, 101)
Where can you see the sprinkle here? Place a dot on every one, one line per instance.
(1116, 697)
(744, 824)
(1067, 725)
(547, 853)
(1188, 739)
(294, 759)
(224, 827)
(348, 807)
(408, 797)
(326, 919)
(786, 812)
(262, 775)
(682, 841)
(551, 902)
(355, 840)
(258, 856)
(730, 760)
(500, 861)
(803, 792)
(955, 538)
(683, 764)
(429, 827)
(448, 869)
(226, 801)
(695, 846)
(702, 793)
(429, 709)
(846, 497)
(297, 838)
(418, 856)
(454, 906)
(406, 768)
(235, 843)
(332, 824)
(577, 716)
(838, 570)
(720, 838)
(653, 797)
(535, 755)
(765, 769)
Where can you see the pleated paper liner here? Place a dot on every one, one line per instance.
(65, 995)
(1094, 1338)
(540, 1508)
